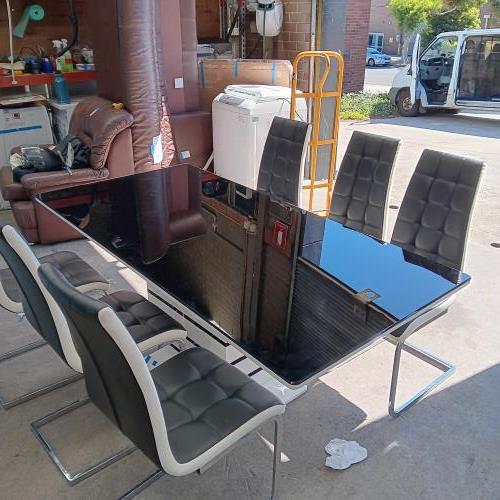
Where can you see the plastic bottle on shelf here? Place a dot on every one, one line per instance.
(61, 91)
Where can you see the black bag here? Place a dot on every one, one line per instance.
(52, 158)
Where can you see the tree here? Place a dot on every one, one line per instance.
(455, 20)
(454, 15)
(411, 13)
(436, 15)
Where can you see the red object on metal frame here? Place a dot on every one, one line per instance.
(280, 235)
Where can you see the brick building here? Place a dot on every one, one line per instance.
(340, 25)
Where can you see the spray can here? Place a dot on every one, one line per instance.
(58, 61)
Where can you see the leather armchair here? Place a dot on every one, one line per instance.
(107, 132)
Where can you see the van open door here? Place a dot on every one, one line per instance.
(415, 57)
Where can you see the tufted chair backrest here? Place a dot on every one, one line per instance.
(361, 190)
(282, 164)
(436, 212)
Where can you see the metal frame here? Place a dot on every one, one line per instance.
(73, 479)
(317, 95)
(37, 392)
(402, 345)
(278, 434)
(22, 350)
(447, 368)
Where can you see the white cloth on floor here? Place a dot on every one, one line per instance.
(342, 454)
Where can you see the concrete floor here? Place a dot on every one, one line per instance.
(445, 447)
(380, 79)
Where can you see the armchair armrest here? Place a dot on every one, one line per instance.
(11, 190)
(97, 124)
(48, 181)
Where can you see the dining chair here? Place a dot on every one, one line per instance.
(282, 165)
(149, 327)
(184, 414)
(433, 225)
(361, 190)
(78, 272)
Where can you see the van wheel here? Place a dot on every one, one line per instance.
(371, 62)
(404, 105)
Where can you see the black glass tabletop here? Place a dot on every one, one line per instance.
(298, 292)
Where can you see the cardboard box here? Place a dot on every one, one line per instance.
(216, 74)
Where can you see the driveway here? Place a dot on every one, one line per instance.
(380, 79)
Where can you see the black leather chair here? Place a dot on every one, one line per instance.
(361, 191)
(185, 413)
(282, 165)
(433, 224)
(148, 326)
(78, 272)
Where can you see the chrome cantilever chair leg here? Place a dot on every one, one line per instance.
(73, 479)
(39, 392)
(447, 368)
(276, 457)
(402, 345)
(22, 350)
(138, 488)
(134, 491)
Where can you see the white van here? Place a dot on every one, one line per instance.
(459, 70)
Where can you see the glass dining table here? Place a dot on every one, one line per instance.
(296, 293)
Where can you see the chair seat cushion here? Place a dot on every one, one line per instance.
(142, 318)
(80, 274)
(204, 399)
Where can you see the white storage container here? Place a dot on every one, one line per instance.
(22, 126)
(242, 117)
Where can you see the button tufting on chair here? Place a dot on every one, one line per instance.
(435, 215)
(77, 272)
(282, 164)
(361, 189)
(142, 318)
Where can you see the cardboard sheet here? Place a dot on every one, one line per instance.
(216, 74)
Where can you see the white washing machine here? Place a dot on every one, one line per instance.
(22, 126)
(242, 117)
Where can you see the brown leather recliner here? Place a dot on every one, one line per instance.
(107, 132)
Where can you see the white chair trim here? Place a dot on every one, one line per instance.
(7, 303)
(134, 357)
(25, 253)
